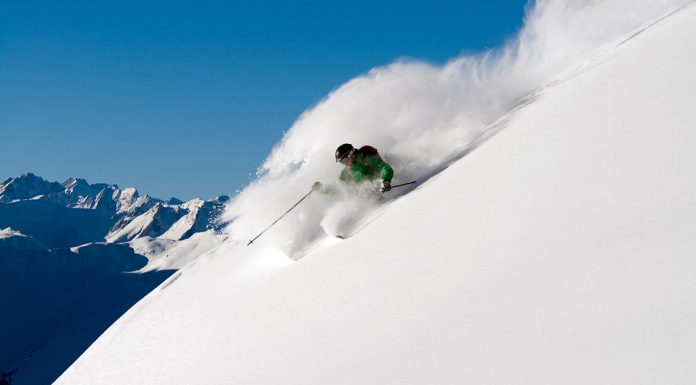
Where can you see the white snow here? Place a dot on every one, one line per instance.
(8, 232)
(10, 238)
(166, 254)
(560, 251)
(185, 223)
(125, 198)
(133, 229)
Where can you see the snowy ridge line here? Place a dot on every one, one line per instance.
(48, 211)
(170, 280)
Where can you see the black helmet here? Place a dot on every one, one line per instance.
(343, 151)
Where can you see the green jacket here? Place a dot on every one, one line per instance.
(367, 165)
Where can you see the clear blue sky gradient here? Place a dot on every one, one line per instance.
(187, 99)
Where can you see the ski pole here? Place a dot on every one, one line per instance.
(404, 184)
(281, 217)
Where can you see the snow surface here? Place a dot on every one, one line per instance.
(17, 240)
(168, 254)
(560, 251)
(152, 223)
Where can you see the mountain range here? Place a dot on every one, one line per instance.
(75, 212)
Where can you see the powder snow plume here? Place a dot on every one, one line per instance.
(422, 116)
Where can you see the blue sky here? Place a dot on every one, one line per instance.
(187, 99)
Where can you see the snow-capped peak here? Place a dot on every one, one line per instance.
(26, 186)
(125, 199)
(103, 212)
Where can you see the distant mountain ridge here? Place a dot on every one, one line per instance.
(75, 212)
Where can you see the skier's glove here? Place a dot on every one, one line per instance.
(386, 186)
(316, 186)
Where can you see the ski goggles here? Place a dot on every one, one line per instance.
(345, 159)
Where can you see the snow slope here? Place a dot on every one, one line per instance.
(558, 252)
(169, 254)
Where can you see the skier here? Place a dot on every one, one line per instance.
(363, 164)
